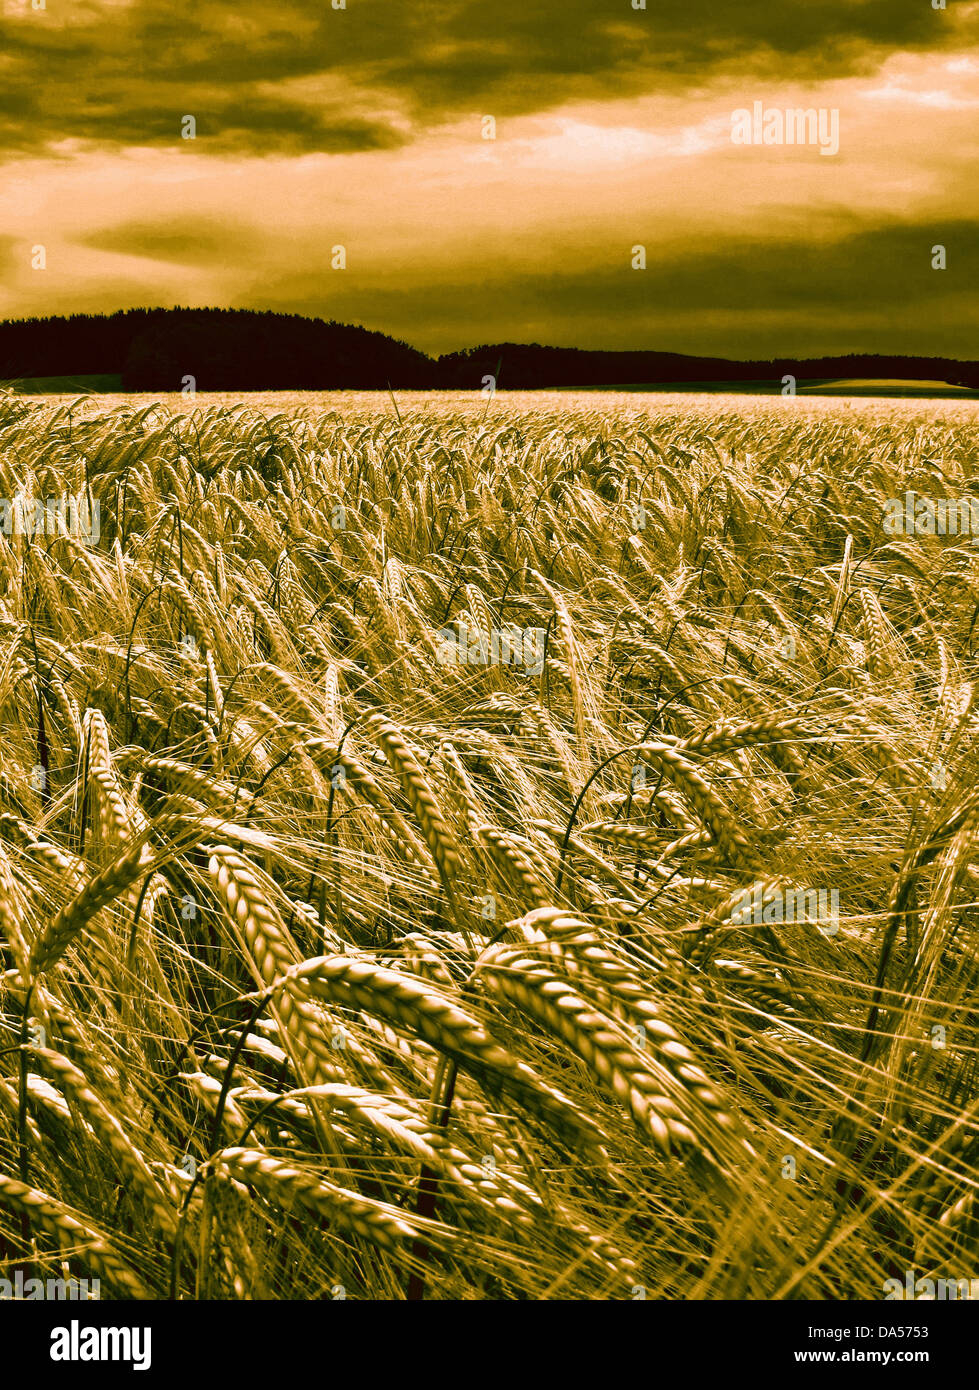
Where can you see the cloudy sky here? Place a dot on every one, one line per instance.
(364, 127)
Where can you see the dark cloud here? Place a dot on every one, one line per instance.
(223, 126)
(527, 55)
(204, 243)
(873, 290)
(125, 75)
(289, 78)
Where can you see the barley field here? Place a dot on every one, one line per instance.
(511, 849)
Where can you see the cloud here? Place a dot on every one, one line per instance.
(823, 285)
(362, 127)
(206, 242)
(941, 101)
(294, 78)
(870, 290)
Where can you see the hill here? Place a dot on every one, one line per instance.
(255, 350)
(535, 367)
(222, 349)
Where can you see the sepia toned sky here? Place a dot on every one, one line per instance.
(363, 127)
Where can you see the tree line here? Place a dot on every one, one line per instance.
(252, 350)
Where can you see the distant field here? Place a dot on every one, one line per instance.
(855, 387)
(893, 387)
(112, 385)
(523, 850)
(474, 405)
(65, 385)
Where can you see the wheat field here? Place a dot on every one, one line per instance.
(381, 793)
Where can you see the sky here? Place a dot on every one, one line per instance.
(366, 128)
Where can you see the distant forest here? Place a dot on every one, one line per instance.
(251, 350)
